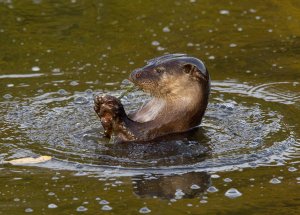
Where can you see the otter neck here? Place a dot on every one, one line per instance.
(169, 106)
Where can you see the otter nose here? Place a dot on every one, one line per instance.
(137, 73)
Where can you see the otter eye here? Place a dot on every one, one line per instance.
(160, 70)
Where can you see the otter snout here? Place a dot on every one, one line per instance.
(136, 74)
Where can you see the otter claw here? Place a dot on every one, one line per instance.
(98, 100)
(108, 110)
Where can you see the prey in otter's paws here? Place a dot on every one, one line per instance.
(180, 87)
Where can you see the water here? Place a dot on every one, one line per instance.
(232, 193)
(56, 56)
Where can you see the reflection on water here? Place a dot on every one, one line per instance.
(21, 75)
(188, 185)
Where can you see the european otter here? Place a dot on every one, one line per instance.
(180, 87)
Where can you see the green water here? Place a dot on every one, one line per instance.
(54, 55)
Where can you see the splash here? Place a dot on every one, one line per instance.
(234, 134)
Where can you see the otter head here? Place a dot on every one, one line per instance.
(172, 76)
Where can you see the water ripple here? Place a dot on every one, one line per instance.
(233, 134)
(267, 92)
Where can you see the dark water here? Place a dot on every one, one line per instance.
(56, 56)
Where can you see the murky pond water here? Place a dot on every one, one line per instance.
(243, 159)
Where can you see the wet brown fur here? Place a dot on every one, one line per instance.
(180, 87)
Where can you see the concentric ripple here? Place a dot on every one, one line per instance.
(234, 133)
(274, 92)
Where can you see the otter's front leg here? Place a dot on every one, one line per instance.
(113, 118)
(100, 105)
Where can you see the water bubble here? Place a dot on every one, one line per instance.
(159, 48)
(28, 210)
(215, 176)
(211, 57)
(212, 189)
(275, 181)
(224, 12)
(35, 69)
(80, 100)
(203, 201)
(52, 206)
(56, 70)
(228, 105)
(51, 194)
(106, 208)
(195, 187)
(144, 210)
(62, 92)
(166, 29)
(155, 43)
(233, 193)
(251, 10)
(74, 83)
(227, 180)
(189, 205)
(179, 194)
(16, 199)
(81, 209)
(89, 91)
(118, 182)
(104, 202)
(232, 45)
(7, 96)
(292, 169)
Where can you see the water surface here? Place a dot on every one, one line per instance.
(55, 56)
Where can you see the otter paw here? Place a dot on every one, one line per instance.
(98, 102)
(107, 104)
(107, 108)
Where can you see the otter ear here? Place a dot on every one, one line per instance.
(193, 71)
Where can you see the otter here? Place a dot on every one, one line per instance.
(180, 87)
